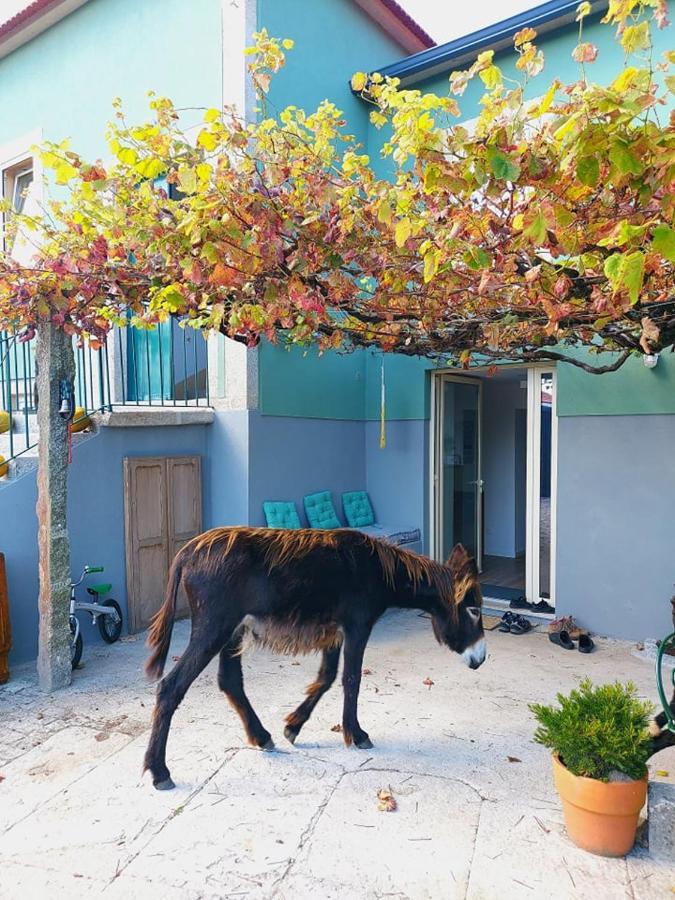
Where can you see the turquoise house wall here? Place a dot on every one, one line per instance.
(632, 390)
(333, 39)
(104, 50)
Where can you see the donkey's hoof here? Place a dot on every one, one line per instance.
(290, 734)
(269, 745)
(365, 744)
(165, 785)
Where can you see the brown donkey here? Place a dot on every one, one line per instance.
(298, 592)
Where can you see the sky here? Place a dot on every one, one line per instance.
(448, 19)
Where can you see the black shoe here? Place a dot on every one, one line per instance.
(542, 607)
(520, 603)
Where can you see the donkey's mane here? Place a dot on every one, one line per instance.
(282, 546)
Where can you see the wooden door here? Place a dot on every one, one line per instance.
(184, 482)
(162, 505)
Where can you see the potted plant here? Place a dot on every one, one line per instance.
(600, 745)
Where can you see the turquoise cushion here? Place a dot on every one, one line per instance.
(320, 512)
(358, 511)
(281, 514)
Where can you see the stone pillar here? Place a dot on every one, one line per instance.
(233, 374)
(55, 361)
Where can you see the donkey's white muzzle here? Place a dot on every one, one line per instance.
(474, 655)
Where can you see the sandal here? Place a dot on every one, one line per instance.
(562, 639)
(520, 625)
(586, 644)
(505, 623)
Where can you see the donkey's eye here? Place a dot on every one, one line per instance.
(474, 612)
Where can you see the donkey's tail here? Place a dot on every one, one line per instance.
(159, 635)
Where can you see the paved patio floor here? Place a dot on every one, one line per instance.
(477, 814)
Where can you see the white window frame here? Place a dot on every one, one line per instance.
(17, 157)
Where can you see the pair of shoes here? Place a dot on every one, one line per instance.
(514, 624)
(541, 606)
(563, 639)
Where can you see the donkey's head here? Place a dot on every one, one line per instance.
(460, 626)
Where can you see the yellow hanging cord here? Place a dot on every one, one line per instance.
(383, 427)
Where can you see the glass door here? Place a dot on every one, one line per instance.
(541, 486)
(458, 485)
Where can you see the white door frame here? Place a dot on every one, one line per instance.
(532, 526)
(436, 462)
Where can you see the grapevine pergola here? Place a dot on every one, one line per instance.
(544, 228)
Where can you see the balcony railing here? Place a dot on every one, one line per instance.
(166, 366)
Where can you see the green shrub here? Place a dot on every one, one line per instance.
(597, 730)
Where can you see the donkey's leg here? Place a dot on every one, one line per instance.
(170, 692)
(355, 645)
(316, 690)
(231, 682)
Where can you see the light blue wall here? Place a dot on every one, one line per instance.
(226, 470)
(96, 507)
(64, 80)
(333, 39)
(397, 476)
(616, 540)
(95, 520)
(291, 457)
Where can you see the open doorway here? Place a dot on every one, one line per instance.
(494, 478)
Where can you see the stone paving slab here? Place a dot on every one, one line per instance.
(477, 813)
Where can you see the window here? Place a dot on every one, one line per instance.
(17, 180)
(18, 185)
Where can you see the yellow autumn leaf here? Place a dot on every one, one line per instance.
(207, 140)
(430, 265)
(287, 44)
(546, 100)
(403, 231)
(491, 77)
(625, 79)
(359, 81)
(211, 115)
(203, 171)
(384, 212)
(64, 172)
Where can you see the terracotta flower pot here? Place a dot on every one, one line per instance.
(601, 817)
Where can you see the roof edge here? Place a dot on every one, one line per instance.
(393, 19)
(498, 36)
(32, 21)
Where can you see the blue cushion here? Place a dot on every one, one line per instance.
(281, 514)
(358, 511)
(320, 512)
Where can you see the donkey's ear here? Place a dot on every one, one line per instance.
(458, 559)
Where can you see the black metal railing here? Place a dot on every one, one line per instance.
(166, 366)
